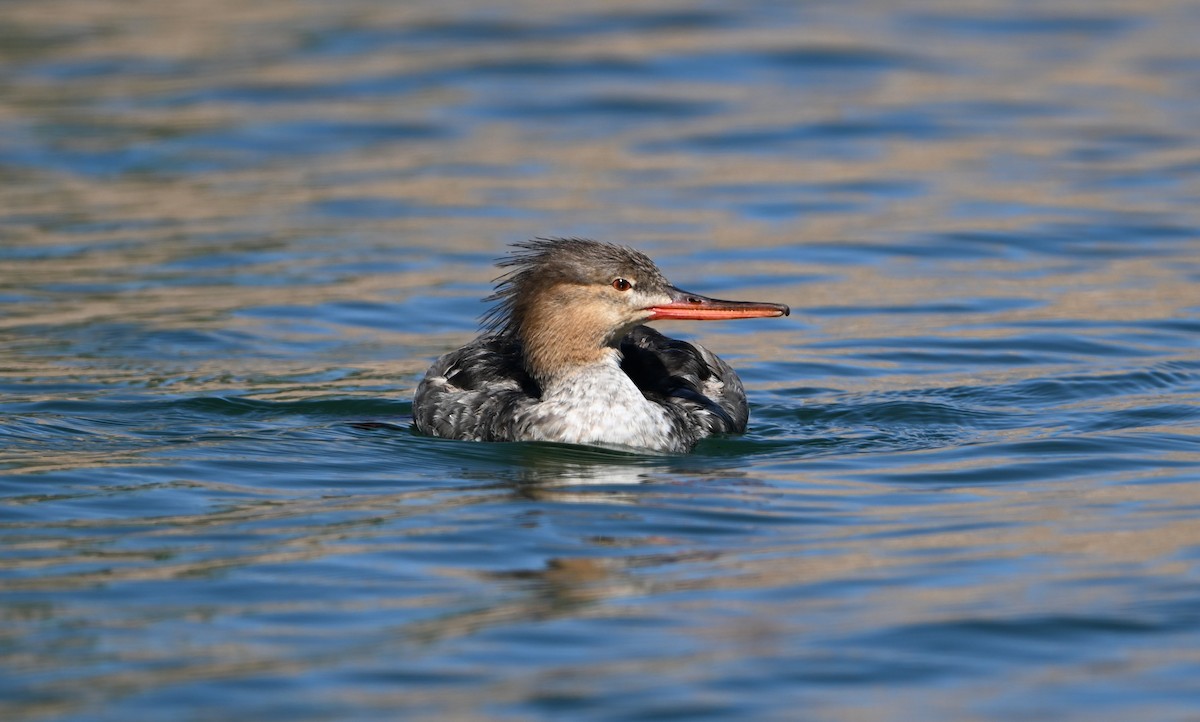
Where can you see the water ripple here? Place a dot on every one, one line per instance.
(232, 241)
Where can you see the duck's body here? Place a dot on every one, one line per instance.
(631, 397)
(566, 359)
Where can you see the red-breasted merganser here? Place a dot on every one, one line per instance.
(564, 357)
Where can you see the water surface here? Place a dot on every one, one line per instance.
(231, 240)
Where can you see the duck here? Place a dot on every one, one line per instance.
(565, 356)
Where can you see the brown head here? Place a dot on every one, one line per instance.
(569, 300)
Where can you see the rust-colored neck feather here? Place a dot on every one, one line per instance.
(563, 328)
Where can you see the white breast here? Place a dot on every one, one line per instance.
(597, 405)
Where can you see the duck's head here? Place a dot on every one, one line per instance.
(569, 300)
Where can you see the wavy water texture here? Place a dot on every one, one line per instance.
(232, 238)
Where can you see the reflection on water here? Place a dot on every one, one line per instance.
(231, 240)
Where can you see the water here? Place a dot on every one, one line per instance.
(233, 237)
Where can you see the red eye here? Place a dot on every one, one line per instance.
(621, 284)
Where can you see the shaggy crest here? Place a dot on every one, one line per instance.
(543, 262)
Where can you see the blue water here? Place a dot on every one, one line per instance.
(233, 237)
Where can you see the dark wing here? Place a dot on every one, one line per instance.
(686, 378)
(474, 393)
